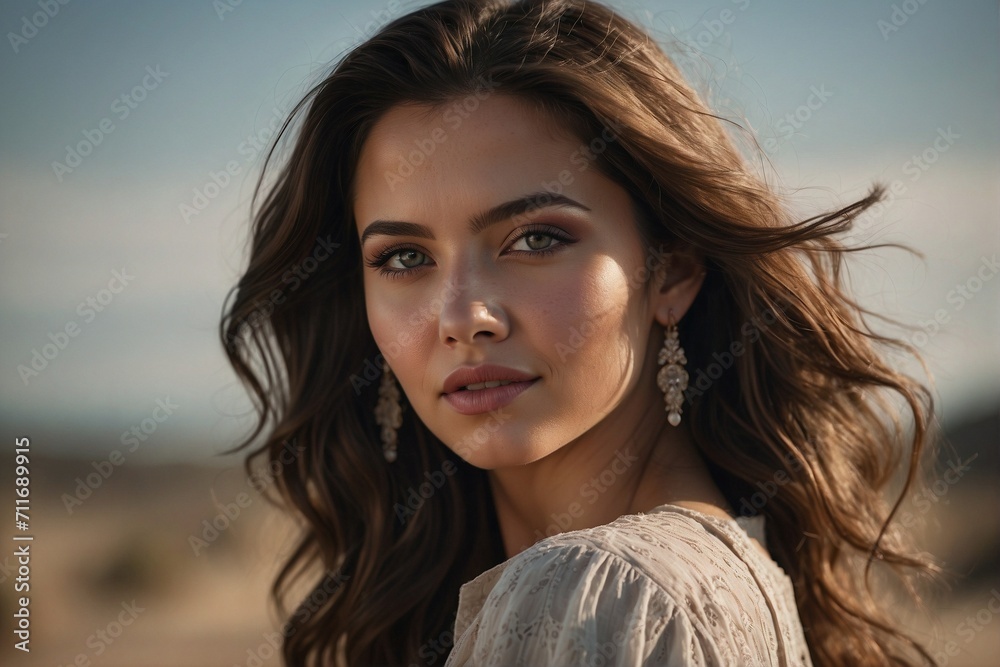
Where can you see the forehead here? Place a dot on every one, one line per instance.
(472, 150)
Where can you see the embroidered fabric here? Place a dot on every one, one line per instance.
(671, 587)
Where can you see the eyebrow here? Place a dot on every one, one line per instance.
(478, 222)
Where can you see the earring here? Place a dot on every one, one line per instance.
(388, 413)
(672, 379)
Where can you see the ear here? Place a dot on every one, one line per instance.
(677, 281)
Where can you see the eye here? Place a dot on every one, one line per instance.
(408, 255)
(535, 240)
(408, 258)
(538, 240)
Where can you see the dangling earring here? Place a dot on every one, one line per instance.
(388, 413)
(672, 379)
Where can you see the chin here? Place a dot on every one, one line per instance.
(496, 454)
(491, 445)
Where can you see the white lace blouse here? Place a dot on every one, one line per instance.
(672, 587)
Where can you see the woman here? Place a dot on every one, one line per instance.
(556, 360)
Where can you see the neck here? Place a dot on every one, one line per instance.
(586, 484)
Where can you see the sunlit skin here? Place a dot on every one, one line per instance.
(467, 299)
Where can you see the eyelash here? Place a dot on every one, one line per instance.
(379, 261)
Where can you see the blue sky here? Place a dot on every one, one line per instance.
(843, 98)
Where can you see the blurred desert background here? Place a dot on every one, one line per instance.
(206, 603)
(132, 137)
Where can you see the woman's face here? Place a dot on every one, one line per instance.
(555, 292)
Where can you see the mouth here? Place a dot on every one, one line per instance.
(483, 397)
(485, 385)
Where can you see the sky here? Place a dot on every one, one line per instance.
(118, 256)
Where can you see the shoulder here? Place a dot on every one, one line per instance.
(661, 590)
(579, 570)
(671, 553)
(565, 602)
(685, 557)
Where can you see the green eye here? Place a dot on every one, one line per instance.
(537, 239)
(403, 254)
(537, 236)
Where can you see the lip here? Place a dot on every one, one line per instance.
(478, 401)
(466, 375)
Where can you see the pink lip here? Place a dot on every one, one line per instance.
(477, 401)
(466, 375)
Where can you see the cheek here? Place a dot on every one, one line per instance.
(402, 325)
(384, 322)
(598, 353)
(578, 326)
(590, 309)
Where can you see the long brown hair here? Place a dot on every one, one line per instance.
(801, 408)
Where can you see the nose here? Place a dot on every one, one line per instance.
(466, 315)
